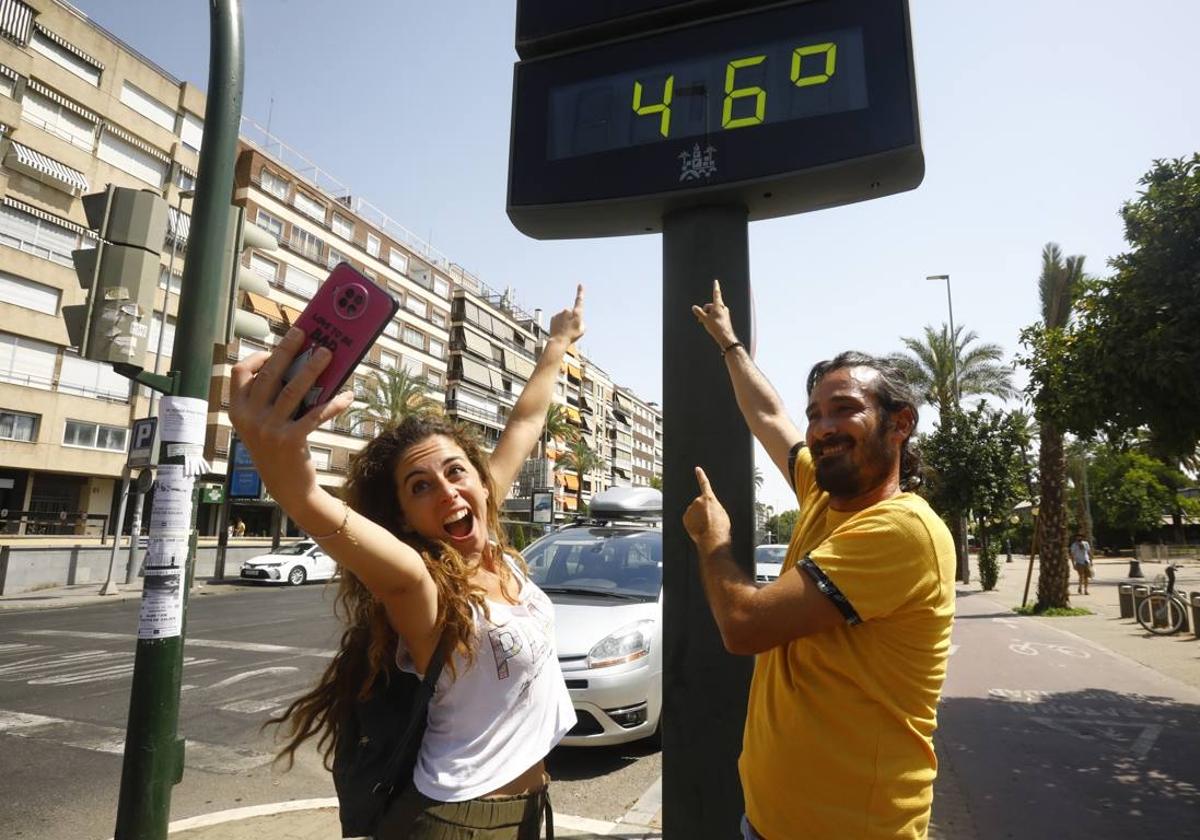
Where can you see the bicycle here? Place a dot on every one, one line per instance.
(1163, 612)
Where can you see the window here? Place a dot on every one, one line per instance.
(53, 117)
(28, 294)
(343, 227)
(263, 267)
(335, 257)
(16, 425)
(413, 338)
(71, 59)
(307, 244)
(309, 206)
(320, 456)
(273, 184)
(94, 436)
(392, 329)
(300, 282)
(148, 106)
(373, 244)
(36, 236)
(387, 360)
(191, 130)
(94, 379)
(417, 306)
(438, 319)
(397, 260)
(436, 348)
(7, 83)
(441, 287)
(269, 223)
(26, 361)
(184, 179)
(130, 157)
(168, 338)
(175, 283)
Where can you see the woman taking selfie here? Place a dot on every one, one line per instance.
(419, 541)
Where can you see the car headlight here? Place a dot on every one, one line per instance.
(625, 645)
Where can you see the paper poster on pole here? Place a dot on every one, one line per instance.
(161, 615)
(172, 511)
(183, 419)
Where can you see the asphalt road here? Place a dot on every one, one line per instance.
(64, 698)
(1044, 734)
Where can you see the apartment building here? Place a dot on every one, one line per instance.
(79, 109)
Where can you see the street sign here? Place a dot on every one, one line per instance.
(143, 442)
(782, 110)
(244, 481)
(541, 506)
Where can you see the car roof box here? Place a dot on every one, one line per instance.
(626, 503)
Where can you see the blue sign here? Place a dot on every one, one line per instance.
(244, 480)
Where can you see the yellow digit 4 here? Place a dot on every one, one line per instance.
(732, 93)
(829, 50)
(664, 107)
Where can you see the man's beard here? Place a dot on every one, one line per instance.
(842, 476)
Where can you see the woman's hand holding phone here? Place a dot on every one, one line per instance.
(263, 411)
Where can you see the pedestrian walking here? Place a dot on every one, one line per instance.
(853, 637)
(420, 544)
(1081, 559)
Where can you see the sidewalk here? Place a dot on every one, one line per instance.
(1175, 656)
(85, 594)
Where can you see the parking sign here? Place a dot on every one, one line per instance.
(142, 449)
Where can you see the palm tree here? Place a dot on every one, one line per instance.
(392, 397)
(1058, 287)
(929, 367)
(582, 459)
(557, 427)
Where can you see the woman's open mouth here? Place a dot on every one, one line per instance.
(459, 524)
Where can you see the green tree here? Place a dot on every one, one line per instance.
(1132, 491)
(1049, 345)
(930, 365)
(582, 459)
(1134, 344)
(391, 397)
(656, 482)
(931, 361)
(974, 464)
(782, 524)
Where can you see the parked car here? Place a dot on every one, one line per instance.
(604, 576)
(768, 561)
(292, 564)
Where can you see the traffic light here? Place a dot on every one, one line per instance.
(120, 274)
(239, 239)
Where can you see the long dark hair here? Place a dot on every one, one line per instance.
(368, 643)
(893, 393)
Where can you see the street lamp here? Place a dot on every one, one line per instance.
(953, 338)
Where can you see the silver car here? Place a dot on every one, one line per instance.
(604, 576)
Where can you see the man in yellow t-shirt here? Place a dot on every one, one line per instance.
(852, 639)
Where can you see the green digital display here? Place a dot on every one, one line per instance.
(730, 90)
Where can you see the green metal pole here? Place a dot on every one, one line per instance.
(153, 752)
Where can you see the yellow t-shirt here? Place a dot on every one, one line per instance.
(838, 741)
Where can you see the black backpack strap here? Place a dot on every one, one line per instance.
(387, 785)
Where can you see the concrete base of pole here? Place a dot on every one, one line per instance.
(110, 588)
(1135, 569)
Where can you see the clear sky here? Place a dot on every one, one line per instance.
(1038, 118)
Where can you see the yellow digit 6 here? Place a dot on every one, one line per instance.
(830, 52)
(732, 93)
(664, 107)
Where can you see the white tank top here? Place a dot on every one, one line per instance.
(501, 715)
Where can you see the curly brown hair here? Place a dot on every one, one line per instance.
(368, 643)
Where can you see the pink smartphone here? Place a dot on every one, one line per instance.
(347, 314)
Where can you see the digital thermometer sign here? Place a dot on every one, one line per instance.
(784, 109)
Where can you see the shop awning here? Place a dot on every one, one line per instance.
(265, 307)
(290, 314)
(46, 169)
(570, 503)
(573, 415)
(571, 482)
(574, 372)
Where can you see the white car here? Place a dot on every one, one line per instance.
(768, 561)
(604, 576)
(293, 564)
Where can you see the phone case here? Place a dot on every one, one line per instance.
(347, 314)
